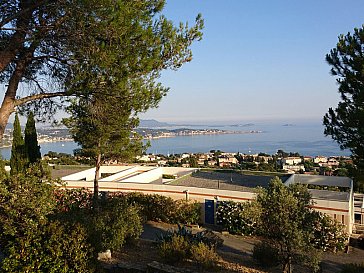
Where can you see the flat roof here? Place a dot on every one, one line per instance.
(225, 181)
(329, 195)
(320, 180)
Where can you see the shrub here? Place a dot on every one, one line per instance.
(186, 212)
(156, 207)
(238, 218)
(206, 237)
(265, 254)
(113, 224)
(73, 199)
(153, 206)
(204, 255)
(52, 247)
(174, 250)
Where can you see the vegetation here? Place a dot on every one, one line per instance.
(31, 146)
(161, 208)
(292, 229)
(115, 80)
(178, 245)
(345, 123)
(45, 42)
(204, 255)
(18, 155)
(29, 239)
(238, 218)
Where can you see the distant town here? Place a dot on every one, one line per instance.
(50, 134)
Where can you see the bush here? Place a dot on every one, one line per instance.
(186, 212)
(174, 250)
(206, 237)
(204, 255)
(113, 224)
(73, 199)
(265, 254)
(52, 247)
(156, 207)
(238, 218)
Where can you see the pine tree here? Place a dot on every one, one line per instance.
(18, 155)
(31, 142)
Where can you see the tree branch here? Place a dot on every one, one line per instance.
(40, 96)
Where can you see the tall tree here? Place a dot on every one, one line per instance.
(32, 148)
(116, 74)
(18, 155)
(296, 232)
(41, 42)
(103, 130)
(345, 124)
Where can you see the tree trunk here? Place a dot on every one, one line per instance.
(96, 180)
(8, 105)
(16, 42)
(287, 267)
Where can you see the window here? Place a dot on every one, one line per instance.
(357, 217)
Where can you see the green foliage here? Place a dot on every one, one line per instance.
(52, 247)
(112, 224)
(329, 235)
(265, 254)
(345, 123)
(156, 207)
(177, 245)
(168, 176)
(18, 159)
(79, 41)
(207, 237)
(204, 255)
(30, 241)
(25, 202)
(175, 250)
(237, 217)
(292, 228)
(32, 148)
(73, 199)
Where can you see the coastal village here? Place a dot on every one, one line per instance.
(281, 162)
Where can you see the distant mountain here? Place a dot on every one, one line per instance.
(150, 123)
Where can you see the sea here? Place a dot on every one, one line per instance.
(306, 138)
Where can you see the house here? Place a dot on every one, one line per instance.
(341, 204)
(291, 160)
(320, 159)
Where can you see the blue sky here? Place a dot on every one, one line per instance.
(258, 60)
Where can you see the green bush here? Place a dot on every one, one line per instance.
(52, 247)
(353, 268)
(156, 207)
(73, 199)
(186, 212)
(265, 254)
(237, 217)
(204, 255)
(113, 224)
(206, 237)
(174, 250)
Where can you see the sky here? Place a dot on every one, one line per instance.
(258, 60)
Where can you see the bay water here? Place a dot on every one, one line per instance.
(306, 138)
